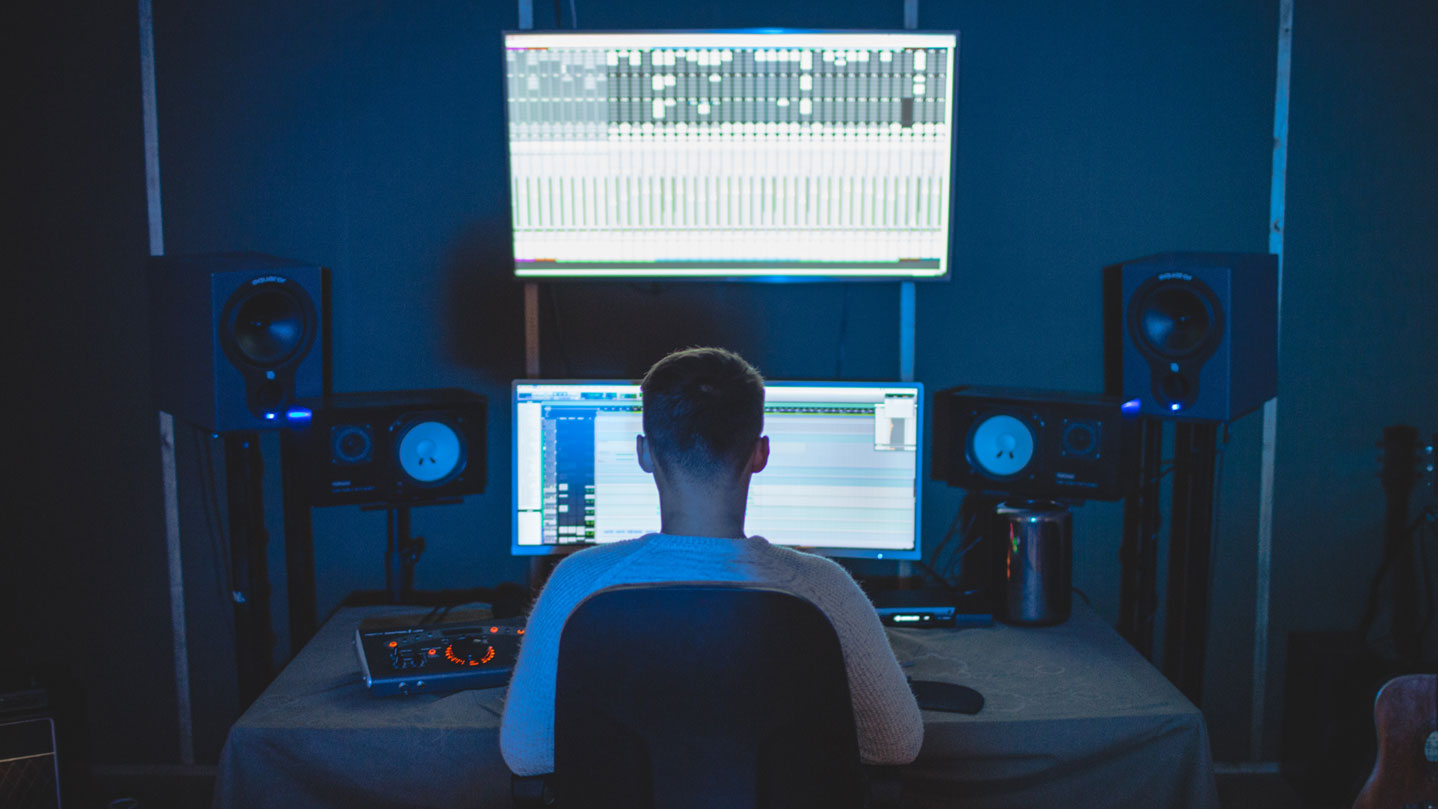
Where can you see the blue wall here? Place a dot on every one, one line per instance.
(368, 138)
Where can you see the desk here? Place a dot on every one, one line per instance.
(1074, 717)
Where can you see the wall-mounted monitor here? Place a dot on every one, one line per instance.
(842, 479)
(739, 155)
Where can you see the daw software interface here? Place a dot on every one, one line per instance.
(749, 154)
(843, 473)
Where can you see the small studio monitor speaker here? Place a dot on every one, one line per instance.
(1193, 336)
(398, 447)
(1034, 444)
(235, 338)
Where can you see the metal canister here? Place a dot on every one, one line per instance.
(1036, 562)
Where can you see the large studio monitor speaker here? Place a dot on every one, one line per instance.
(1193, 336)
(236, 338)
(1034, 444)
(397, 447)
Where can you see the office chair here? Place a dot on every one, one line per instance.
(696, 696)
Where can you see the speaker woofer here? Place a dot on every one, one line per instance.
(1001, 445)
(268, 324)
(269, 327)
(1176, 318)
(430, 452)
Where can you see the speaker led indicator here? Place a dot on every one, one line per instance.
(1131, 406)
(299, 414)
(271, 416)
(1175, 407)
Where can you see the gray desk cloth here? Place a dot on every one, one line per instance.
(1074, 717)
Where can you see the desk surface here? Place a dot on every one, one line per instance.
(1073, 717)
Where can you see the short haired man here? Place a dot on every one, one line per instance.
(702, 441)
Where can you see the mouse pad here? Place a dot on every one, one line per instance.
(933, 695)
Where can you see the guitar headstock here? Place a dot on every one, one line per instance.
(1408, 462)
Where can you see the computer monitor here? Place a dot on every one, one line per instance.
(741, 155)
(843, 475)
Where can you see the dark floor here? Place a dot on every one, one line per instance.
(1235, 791)
(1261, 791)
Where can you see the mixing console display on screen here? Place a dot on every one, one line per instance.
(754, 154)
(842, 478)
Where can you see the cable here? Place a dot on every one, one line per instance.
(968, 515)
(219, 540)
(1370, 610)
(948, 536)
(573, 15)
(548, 291)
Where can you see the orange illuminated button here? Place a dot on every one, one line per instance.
(393, 644)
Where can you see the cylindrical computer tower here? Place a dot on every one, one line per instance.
(1036, 562)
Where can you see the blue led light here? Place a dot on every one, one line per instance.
(1175, 406)
(1131, 406)
(299, 414)
(270, 416)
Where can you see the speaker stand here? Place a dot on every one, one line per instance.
(299, 548)
(1190, 540)
(403, 550)
(1138, 553)
(250, 585)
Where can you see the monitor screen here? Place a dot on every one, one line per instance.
(762, 154)
(842, 479)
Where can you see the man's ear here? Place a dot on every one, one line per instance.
(760, 457)
(641, 450)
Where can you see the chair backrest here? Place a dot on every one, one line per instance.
(701, 696)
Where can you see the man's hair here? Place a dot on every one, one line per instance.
(703, 410)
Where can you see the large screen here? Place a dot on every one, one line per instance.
(842, 479)
(730, 155)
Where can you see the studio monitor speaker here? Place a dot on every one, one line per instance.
(1192, 336)
(397, 447)
(1034, 444)
(235, 338)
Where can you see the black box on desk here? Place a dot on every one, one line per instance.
(29, 764)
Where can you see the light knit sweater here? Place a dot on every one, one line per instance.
(886, 716)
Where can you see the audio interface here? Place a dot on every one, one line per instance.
(436, 658)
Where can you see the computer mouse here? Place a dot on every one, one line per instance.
(934, 695)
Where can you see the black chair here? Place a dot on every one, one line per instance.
(695, 696)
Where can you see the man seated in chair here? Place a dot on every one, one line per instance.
(703, 419)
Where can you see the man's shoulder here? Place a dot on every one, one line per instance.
(598, 557)
(811, 566)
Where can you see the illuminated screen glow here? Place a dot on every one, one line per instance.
(730, 155)
(842, 478)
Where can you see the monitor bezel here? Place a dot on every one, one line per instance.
(778, 277)
(920, 459)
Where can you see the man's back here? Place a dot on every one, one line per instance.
(886, 717)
